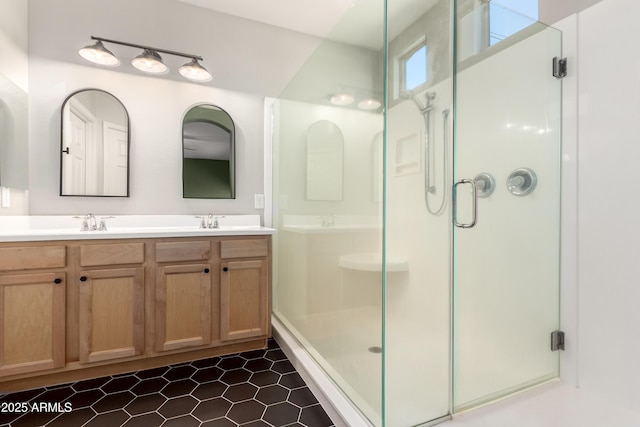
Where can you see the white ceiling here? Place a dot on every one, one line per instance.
(357, 22)
(316, 17)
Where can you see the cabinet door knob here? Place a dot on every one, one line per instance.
(206, 270)
(225, 269)
(83, 278)
(57, 281)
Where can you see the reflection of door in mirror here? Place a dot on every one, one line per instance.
(325, 145)
(208, 153)
(115, 158)
(80, 123)
(95, 145)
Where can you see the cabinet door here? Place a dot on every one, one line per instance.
(32, 322)
(111, 314)
(183, 306)
(244, 303)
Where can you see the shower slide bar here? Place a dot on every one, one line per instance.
(429, 149)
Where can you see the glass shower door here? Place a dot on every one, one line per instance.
(507, 213)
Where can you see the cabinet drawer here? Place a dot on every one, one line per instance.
(22, 258)
(183, 251)
(115, 253)
(244, 248)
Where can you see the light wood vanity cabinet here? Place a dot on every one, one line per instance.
(32, 304)
(244, 290)
(111, 284)
(183, 295)
(79, 309)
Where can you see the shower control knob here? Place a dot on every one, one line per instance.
(522, 182)
(485, 184)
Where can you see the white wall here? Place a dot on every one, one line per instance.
(155, 108)
(608, 231)
(14, 42)
(242, 55)
(14, 66)
(552, 11)
(247, 59)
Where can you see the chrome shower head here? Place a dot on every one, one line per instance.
(423, 108)
(405, 94)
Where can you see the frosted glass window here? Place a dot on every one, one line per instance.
(507, 17)
(415, 67)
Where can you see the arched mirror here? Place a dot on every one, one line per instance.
(325, 146)
(95, 145)
(208, 153)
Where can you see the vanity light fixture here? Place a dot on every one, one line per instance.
(99, 54)
(194, 71)
(148, 61)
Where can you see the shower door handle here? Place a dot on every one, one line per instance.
(474, 198)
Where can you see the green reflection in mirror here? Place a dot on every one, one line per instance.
(208, 151)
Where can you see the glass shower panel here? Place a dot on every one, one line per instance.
(506, 267)
(418, 223)
(327, 155)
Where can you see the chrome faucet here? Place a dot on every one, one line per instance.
(93, 222)
(209, 221)
(90, 223)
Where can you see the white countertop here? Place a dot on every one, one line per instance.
(66, 227)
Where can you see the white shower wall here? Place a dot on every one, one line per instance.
(417, 302)
(608, 103)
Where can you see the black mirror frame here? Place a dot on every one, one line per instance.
(232, 165)
(62, 151)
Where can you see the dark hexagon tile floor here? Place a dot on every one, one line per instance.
(250, 389)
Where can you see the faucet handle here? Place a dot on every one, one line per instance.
(203, 223)
(216, 224)
(103, 223)
(85, 222)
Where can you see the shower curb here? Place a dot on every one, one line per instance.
(335, 404)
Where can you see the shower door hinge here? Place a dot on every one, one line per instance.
(557, 340)
(559, 67)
